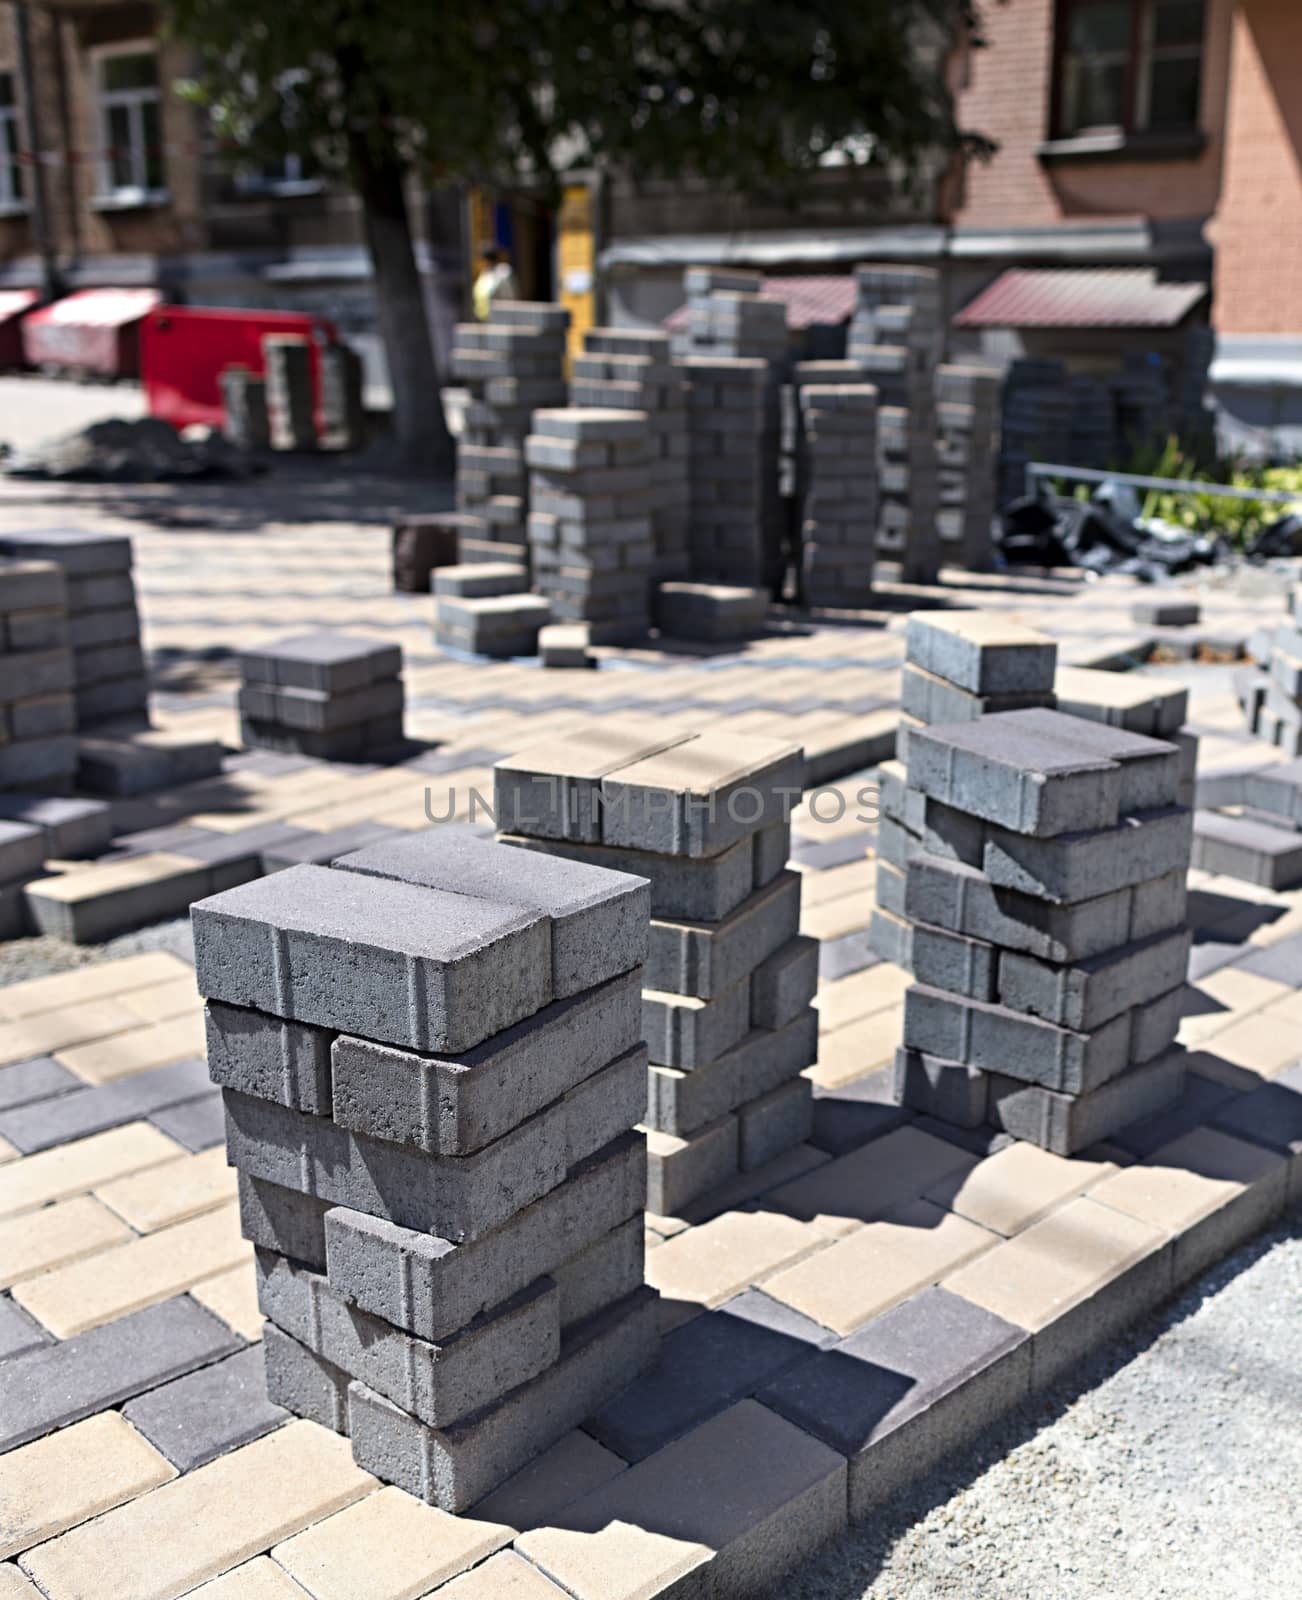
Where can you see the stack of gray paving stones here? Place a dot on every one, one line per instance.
(343, 413)
(430, 1058)
(731, 460)
(245, 421)
(291, 409)
(727, 1005)
(631, 370)
(838, 485)
(967, 445)
(1274, 704)
(1049, 941)
(959, 665)
(512, 366)
(484, 607)
(591, 542)
(333, 696)
(38, 714)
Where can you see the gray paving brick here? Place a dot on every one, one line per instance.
(1032, 782)
(335, 662)
(774, 1122)
(88, 1110)
(1088, 993)
(300, 847)
(198, 1124)
(932, 699)
(682, 1169)
(19, 1332)
(72, 828)
(1065, 1124)
(75, 550)
(288, 1062)
(950, 1090)
(598, 918)
(432, 1287)
(60, 1383)
(1153, 1026)
(22, 850)
(1270, 1115)
(908, 1389)
(980, 662)
(856, 1113)
(1281, 961)
(704, 959)
(785, 983)
(952, 962)
(851, 953)
(386, 960)
(199, 1417)
(456, 1105)
(1253, 851)
(704, 1366)
(456, 1197)
(1080, 866)
(681, 1102)
(436, 1383)
(1277, 789)
(302, 1382)
(1151, 769)
(456, 1466)
(283, 1220)
(682, 1031)
(772, 849)
(605, 1271)
(38, 1079)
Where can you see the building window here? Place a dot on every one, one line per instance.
(11, 172)
(294, 169)
(129, 104)
(1133, 66)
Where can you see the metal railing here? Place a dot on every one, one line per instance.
(1224, 491)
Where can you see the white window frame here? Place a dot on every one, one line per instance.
(12, 200)
(110, 194)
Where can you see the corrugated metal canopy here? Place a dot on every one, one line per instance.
(1100, 297)
(813, 299)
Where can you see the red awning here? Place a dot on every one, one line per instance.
(1100, 297)
(97, 308)
(13, 302)
(814, 299)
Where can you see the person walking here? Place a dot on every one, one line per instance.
(495, 280)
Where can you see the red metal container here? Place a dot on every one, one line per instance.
(184, 349)
(94, 330)
(14, 304)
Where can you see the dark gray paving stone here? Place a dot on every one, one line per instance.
(854, 1113)
(91, 1110)
(979, 1141)
(1227, 917)
(320, 849)
(61, 1383)
(704, 1366)
(911, 1385)
(1271, 1115)
(823, 854)
(438, 762)
(38, 1079)
(18, 1331)
(199, 1417)
(1282, 962)
(838, 958)
(197, 1124)
(1211, 955)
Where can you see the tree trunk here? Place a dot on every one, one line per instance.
(420, 430)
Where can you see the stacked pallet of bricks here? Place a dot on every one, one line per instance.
(511, 366)
(590, 531)
(431, 1066)
(103, 622)
(959, 665)
(38, 714)
(967, 445)
(837, 481)
(484, 607)
(897, 337)
(291, 409)
(1271, 695)
(333, 696)
(631, 370)
(729, 981)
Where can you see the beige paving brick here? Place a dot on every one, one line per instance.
(49, 1031)
(1242, 991)
(69, 1476)
(1056, 1263)
(8, 1152)
(872, 1181)
(389, 1546)
(163, 1000)
(819, 888)
(233, 1296)
(14, 1586)
(168, 1194)
(98, 879)
(1016, 1186)
(849, 1053)
(860, 995)
(505, 1576)
(128, 1277)
(255, 1580)
(836, 917)
(867, 1272)
(1265, 1042)
(574, 1466)
(172, 1539)
(719, 1259)
(66, 1231)
(140, 1048)
(82, 1165)
(90, 983)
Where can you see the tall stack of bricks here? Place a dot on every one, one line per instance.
(959, 665)
(291, 409)
(1275, 708)
(837, 479)
(333, 696)
(631, 370)
(731, 460)
(590, 530)
(1049, 936)
(967, 428)
(103, 622)
(729, 981)
(431, 1065)
(511, 366)
(38, 714)
(245, 421)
